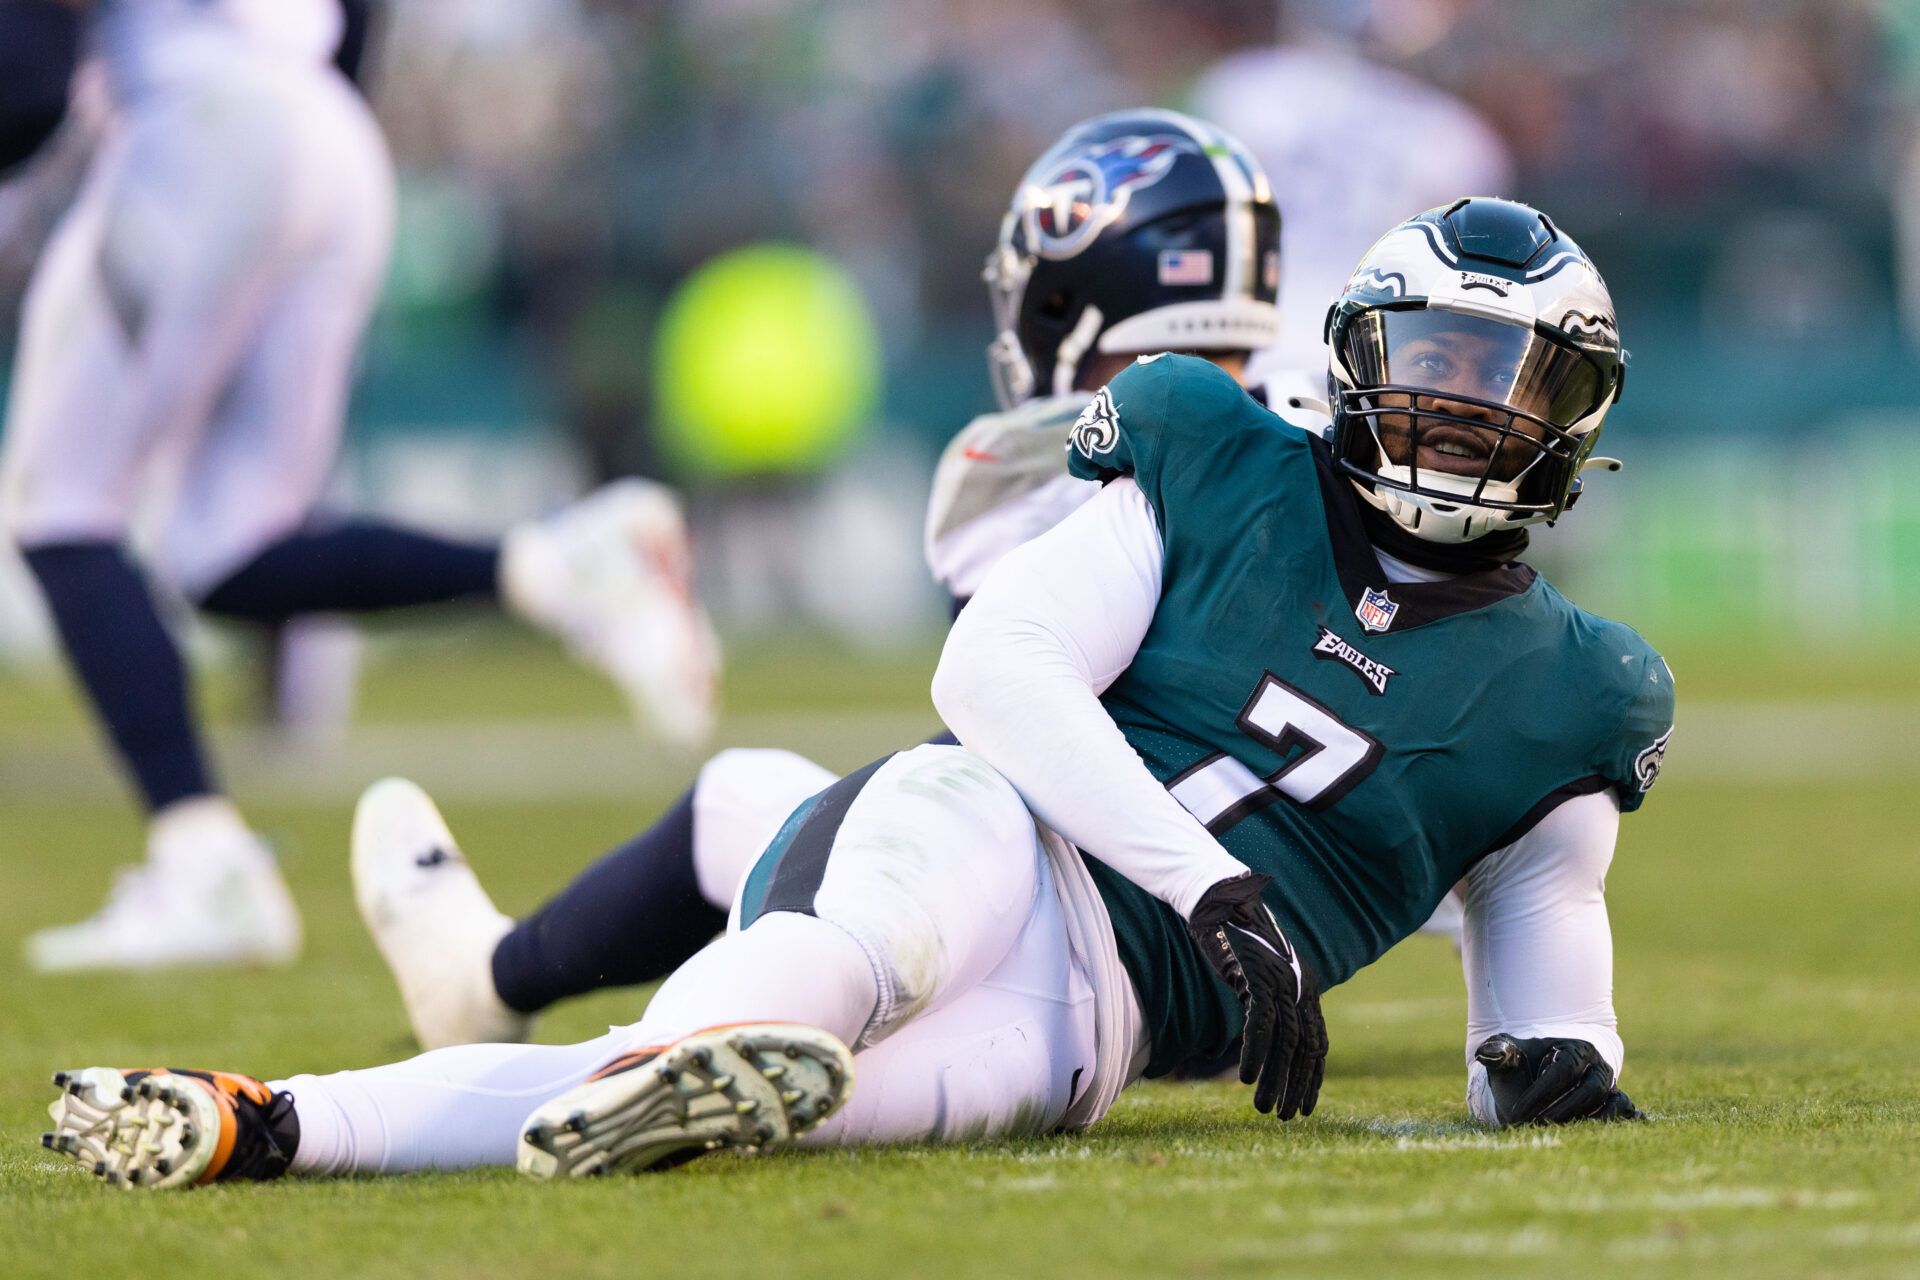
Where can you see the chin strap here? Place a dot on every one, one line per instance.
(1487, 552)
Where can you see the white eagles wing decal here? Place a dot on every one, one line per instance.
(1097, 429)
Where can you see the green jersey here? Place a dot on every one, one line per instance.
(1362, 742)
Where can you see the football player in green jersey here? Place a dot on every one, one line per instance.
(1231, 729)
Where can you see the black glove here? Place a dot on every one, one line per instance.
(1551, 1082)
(1284, 1052)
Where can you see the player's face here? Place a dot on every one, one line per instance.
(1465, 369)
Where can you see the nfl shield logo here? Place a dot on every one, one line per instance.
(1375, 611)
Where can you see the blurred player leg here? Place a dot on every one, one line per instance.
(138, 313)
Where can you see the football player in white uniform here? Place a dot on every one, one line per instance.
(1363, 145)
(188, 340)
(1177, 813)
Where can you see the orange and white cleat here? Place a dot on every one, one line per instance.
(751, 1087)
(167, 1128)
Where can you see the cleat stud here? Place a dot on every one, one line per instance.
(576, 1123)
(51, 1141)
(720, 1081)
(99, 1168)
(792, 1050)
(763, 1135)
(773, 1072)
(823, 1106)
(701, 1058)
(163, 1167)
(75, 1088)
(746, 1106)
(126, 1093)
(186, 1135)
(669, 1076)
(791, 1096)
(60, 1079)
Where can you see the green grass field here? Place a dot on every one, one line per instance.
(1766, 982)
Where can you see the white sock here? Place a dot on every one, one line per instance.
(201, 836)
(785, 967)
(461, 1107)
(452, 1108)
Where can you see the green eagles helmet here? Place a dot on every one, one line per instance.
(1472, 358)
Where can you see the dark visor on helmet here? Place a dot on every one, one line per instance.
(1447, 353)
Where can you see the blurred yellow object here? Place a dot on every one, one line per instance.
(768, 363)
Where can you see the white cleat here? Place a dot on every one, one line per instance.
(612, 577)
(752, 1087)
(435, 926)
(149, 1131)
(210, 894)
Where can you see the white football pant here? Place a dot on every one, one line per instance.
(189, 333)
(936, 939)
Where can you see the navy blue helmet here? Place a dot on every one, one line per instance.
(1137, 231)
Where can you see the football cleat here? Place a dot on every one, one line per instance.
(612, 577)
(167, 1129)
(435, 926)
(752, 1087)
(210, 893)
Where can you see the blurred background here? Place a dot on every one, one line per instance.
(568, 300)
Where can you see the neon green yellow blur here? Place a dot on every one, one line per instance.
(767, 364)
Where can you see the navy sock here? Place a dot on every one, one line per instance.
(128, 662)
(634, 916)
(357, 567)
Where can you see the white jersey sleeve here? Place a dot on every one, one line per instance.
(1000, 482)
(1538, 950)
(1019, 682)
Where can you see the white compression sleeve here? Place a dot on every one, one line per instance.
(454, 1108)
(1019, 681)
(1538, 950)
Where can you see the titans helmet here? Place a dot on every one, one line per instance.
(1472, 358)
(1138, 231)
